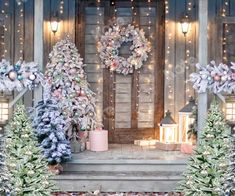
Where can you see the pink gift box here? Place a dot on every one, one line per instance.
(98, 140)
(187, 148)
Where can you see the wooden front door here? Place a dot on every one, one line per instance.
(130, 107)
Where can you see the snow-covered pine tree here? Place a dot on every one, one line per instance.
(208, 167)
(229, 184)
(50, 127)
(23, 158)
(68, 82)
(4, 174)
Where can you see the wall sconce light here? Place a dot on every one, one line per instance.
(185, 24)
(54, 23)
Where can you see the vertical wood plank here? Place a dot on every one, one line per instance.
(169, 94)
(159, 67)
(38, 43)
(180, 57)
(71, 19)
(191, 50)
(47, 31)
(29, 42)
(135, 78)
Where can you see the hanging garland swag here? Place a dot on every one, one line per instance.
(109, 44)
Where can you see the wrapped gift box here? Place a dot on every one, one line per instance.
(168, 146)
(98, 140)
(145, 142)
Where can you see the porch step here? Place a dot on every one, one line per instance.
(121, 175)
(125, 165)
(119, 181)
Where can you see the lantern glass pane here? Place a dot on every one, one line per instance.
(5, 111)
(169, 135)
(229, 117)
(5, 105)
(229, 105)
(4, 117)
(229, 111)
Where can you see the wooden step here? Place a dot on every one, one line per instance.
(121, 175)
(125, 165)
(164, 181)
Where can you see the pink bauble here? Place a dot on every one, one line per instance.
(78, 92)
(217, 78)
(59, 89)
(82, 93)
(57, 93)
(12, 75)
(72, 71)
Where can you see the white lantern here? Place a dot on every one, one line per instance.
(168, 129)
(185, 119)
(4, 111)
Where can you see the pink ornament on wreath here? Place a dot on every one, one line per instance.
(233, 76)
(82, 93)
(217, 78)
(72, 71)
(57, 93)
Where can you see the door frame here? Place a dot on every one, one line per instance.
(107, 80)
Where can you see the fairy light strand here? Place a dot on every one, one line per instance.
(169, 66)
(98, 67)
(61, 8)
(225, 10)
(20, 29)
(4, 11)
(188, 53)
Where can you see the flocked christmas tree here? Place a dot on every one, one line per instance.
(27, 167)
(68, 81)
(4, 174)
(50, 126)
(208, 167)
(229, 184)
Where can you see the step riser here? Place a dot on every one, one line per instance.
(100, 167)
(117, 186)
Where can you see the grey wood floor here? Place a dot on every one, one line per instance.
(130, 151)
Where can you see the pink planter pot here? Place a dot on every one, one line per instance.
(187, 148)
(98, 140)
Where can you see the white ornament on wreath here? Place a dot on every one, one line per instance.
(109, 44)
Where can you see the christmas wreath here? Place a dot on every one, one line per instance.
(109, 44)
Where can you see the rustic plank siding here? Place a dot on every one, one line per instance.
(94, 70)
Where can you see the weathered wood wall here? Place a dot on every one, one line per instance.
(125, 108)
(180, 54)
(66, 23)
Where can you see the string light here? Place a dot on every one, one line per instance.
(20, 30)
(188, 42)
(4, 11)
(169, 72)
(61, 6)
(225, 10)
(99, 88)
